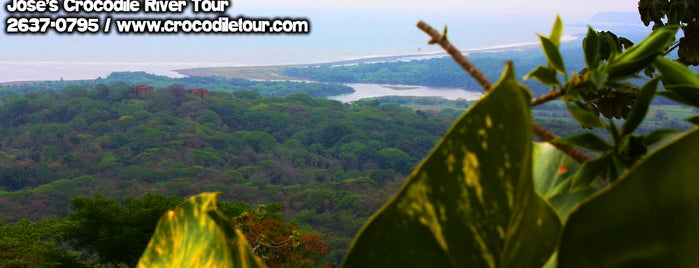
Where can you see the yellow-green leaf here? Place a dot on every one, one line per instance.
(648, 218)
(471, 202)
(196, 235)
(557, 31)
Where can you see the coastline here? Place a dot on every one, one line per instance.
(228, 70)
(272, 71)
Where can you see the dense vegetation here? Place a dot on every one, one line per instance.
(111, 161)
(331, 164)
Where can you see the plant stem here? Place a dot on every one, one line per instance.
(540, 131)
(547, 97)
(455, 54)
(568, 149)
(673, 47)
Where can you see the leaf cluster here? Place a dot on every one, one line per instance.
(684, 13)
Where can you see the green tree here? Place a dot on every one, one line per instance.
(35, 244)
(118, 92)
(117, 234)
(209, 118)
(14, 178)
(395, 159)
(259, 141)
(331, 133)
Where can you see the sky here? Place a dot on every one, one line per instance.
(340, 30)
(567, 8)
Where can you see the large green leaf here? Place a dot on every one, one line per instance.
(471, 201)
(553, 175)
(649, 218)
(196, 235)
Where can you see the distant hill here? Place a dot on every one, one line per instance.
(616, 18)
(626, 24)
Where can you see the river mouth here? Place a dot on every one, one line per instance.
(365, 90)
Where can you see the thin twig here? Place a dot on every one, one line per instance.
(455, 54)
(549, 137)
(673, 47)
(546, 98)
(540, 131)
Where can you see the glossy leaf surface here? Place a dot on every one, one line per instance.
(649, 218)
(471, 202)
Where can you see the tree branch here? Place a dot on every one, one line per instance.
(547, 97)
(540, 131)
(568, 149)
(455, 54)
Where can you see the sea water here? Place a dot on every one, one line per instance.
(335, 35)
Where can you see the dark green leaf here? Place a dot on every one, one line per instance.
(587, 140)
(648, 218)
(688, 51)
(688, 93)
(591, 45)
(630, 149)
(471, 201)
(590, 171)
(640, 108)
(674, 96)
(658, 135)
(546, 76)
(682, 11)
(694, 119)
(653, 11)
(553, 55)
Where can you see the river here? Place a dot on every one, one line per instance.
(362, 90)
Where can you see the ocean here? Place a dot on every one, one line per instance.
(335, 35)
